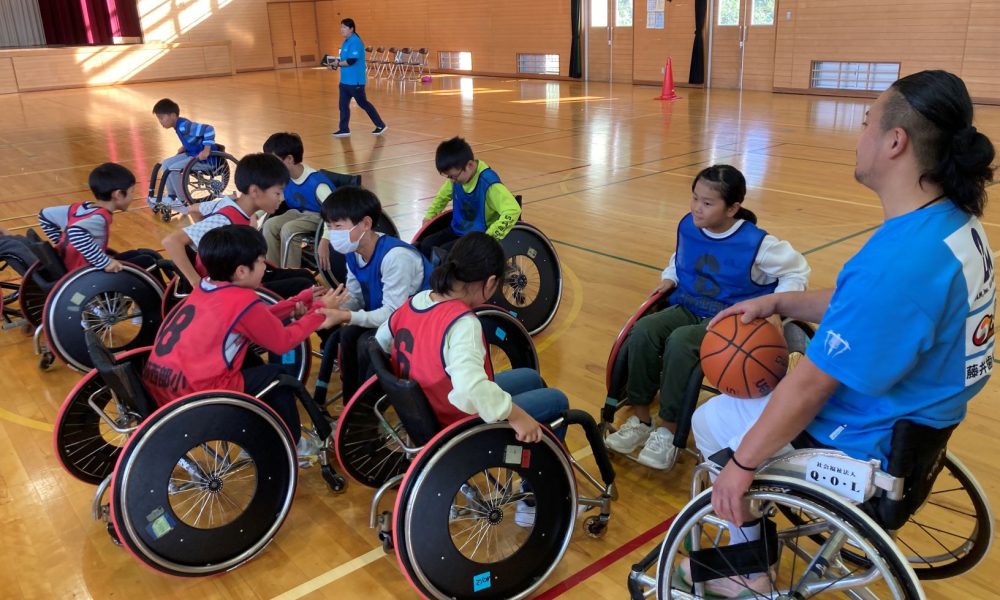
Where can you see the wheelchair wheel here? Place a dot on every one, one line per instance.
(86, 445)
(532, 286)
(803, 566)
(509, 342)
(122, 308)
(11, 268)
(209, 179)
(456, 530)
(364, 449)
(32, 296)
(204, 484)
(337, 273)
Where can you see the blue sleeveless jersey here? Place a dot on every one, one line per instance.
(303, 196)
(713, 274)
(370, 275)
(469, 209)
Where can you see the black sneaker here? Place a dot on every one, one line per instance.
(341, 133)
(380, 130)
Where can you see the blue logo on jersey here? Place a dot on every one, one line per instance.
(987, 259)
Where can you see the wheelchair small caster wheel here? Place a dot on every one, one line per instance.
(165, 214)
(386, 539)
(46, 360)
(595, 527)
(113, 535)
(337, 483)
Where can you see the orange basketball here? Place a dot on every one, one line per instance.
(744, 360)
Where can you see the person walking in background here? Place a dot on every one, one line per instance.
(352, 81)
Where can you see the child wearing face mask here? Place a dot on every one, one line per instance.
(722, 257)
(382, 272)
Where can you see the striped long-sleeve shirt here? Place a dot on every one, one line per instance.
(194, 136)
(88, 235)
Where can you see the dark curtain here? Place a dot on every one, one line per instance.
(88, 22)
(575, 18)
(697, 73)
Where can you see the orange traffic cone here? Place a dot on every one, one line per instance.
(668, 92)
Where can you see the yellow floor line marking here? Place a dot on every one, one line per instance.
(574, 311)
(332, 575)
(6, 415)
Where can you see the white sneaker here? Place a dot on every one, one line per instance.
(632, 434)
(659, 451)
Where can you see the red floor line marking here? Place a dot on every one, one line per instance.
(600, 564)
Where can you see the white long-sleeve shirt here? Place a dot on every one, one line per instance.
(776, 260)
(402, 275)
(464, 354)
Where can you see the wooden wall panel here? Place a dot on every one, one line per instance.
(328, 27)
(8, 82)
(653, 46)
(55, 68)
(279, 18)
(241, 22)
(304, 30)
(981, 63)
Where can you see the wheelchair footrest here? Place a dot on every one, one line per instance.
(737, 559)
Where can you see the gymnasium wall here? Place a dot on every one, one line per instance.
(962, 36)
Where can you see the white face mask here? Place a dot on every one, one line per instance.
(340, 239)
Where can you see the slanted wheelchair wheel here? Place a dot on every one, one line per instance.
(532, 286)
(86, 445)
(204, 484)
(209, 179)
(364, 448)
(803, 566)
(455, 529)
(11, 268)
(122, 308)
(32, 296)
(337, 273)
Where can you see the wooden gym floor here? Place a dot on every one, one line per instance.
(604, 171)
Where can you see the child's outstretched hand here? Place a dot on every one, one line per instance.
(334, 317)
(335, 298)
(299, 310)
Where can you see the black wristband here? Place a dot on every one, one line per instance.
(732, 457)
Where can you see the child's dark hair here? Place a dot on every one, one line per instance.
(353, 203)
(166, 107)
(474, 257)
(262, 170)
(935, 110)
(107, 178)
(285, 144)
(453, 154)
(224, 249)
(731, 185)
(350, 23)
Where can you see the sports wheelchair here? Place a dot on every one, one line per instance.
(200, 181)
(366, 450)
(198, 486)
(797, 335)
(532, 286)
(452, 527)
(834, 525)
(122, 308)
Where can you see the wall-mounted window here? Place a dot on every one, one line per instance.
(763, 12)
(455, 61)
(540, 64)
(831, 75)
(654, 14)
(729, 12)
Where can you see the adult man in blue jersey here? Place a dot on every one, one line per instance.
(906, 334)
(352, 81)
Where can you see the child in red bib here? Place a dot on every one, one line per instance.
(436, 340)
(81, 231)
(203, 344)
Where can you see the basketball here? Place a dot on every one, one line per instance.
(744, 360)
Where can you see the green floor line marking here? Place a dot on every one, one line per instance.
(838, 240)
(605, 254)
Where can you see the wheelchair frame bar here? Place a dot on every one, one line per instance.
(104, 416)
(411, 452)
(97, 508)
(377, 498)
